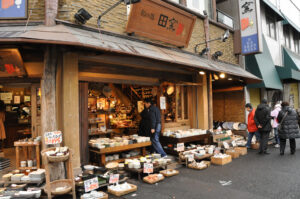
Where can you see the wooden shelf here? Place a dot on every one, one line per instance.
(123, 159)
(120, 148)
(27, 168)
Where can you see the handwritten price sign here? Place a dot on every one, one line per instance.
(114, 178)
(148, 168)
(91, 184)
(180, 147)
(54, 137)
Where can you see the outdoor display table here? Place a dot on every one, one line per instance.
(205, 138)
(111, 150)
(141, 170)
(27, 149)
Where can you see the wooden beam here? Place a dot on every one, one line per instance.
(239, 88)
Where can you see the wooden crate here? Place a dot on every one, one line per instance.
(221, 161)
(152, 182)
(234, 154)
(122, 193)
(164, 172)
(105, 196)
(241, 150)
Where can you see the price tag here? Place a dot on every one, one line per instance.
(148, 168)
(180, 147)
(114, 178)
(54, 137)
(233, 143)
(91, 184)
(190, 157)
(226, 145)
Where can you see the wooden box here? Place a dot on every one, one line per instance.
(166, 174)
(234, 154)
(221, 161)
(255, 146)
(241, 150)
(122, 193)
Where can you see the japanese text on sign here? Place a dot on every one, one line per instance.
(180, 147)
(114, 178)
(148, 168)
(91, 184)
(54, 137)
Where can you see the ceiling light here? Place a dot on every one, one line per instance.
(230, 79)
(216, 77)
(222, 75)
(202, 73)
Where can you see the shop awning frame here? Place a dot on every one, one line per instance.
(291, 67)
(287, 21)
(71, 35)
(286, 73)
(274, 8)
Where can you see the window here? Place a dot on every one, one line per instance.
(287, 37)
(296, 42)
(271, 25)
(200, 6)
(224, 19)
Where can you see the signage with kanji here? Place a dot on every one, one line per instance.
(114, 178)
(158, 20)
(54, 137)
(148, 168)
(250, 28)
(91, 184)
(180, 147)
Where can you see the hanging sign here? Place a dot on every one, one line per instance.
(180, 147)
(91, 184)
(54, 137)
(250, 26)
(161, 21)
(114, 178)
(13, 9)
(163, 103)
(148, 168)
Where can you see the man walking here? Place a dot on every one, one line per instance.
(252, 128)
(263, 122)
(155, 126)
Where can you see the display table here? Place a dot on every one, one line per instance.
(111, 150)
(27, 149)
(141, 170)
(205, 138)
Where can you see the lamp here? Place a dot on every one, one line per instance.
(215, 77)
(204, 51)
(225, 36)
(217, 54)
(222, 75)
(82, 16)
(201, 72)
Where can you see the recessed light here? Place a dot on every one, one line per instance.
(222, 75)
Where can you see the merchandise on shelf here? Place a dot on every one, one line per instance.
(183, 134)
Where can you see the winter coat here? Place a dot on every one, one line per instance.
(274, 114)
(289, 127)
(155, 116)
(252, 128)
(150, 119)
(263, 117)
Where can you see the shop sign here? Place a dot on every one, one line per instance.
(161, 21)
(91, 184)
(13, 9)
(250, 26)
(148, 168)
(163, 103)
(54, 137)
(180, 147)
(114, 178)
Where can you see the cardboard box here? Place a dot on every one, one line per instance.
(255, 146)
(221, 161)
(234, 154)
(241, 150)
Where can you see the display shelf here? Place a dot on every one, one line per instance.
(27, 149)
(123, 159)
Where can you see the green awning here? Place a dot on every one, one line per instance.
(291, 59)
(262, 66)
(274, 8)
(287, 73)
(287, 21)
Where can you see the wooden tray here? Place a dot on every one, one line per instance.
(152, 182)
(197, 168)
(221, 161)
(234, 154)
(241, 150)
(122, 193)
(164, 172)
(105, 196)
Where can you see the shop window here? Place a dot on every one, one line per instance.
(287, 37)
(271, 25)
(200, 6)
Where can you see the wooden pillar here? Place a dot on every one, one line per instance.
(210, 101)
(51, 7)
(83, 110)
(202, 103)
(70, 105)
(214, 9)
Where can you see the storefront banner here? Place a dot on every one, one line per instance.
(91, 184)
(148, 168)
(114, 178)
(161, 21)
(13, 9)
(54, 137)
(163, 103)
(251, 41)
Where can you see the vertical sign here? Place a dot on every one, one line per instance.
(250, 26)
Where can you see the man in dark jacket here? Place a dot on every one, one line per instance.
(288, 118)
(152, 125)
(263, 122)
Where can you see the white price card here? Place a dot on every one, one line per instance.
(54, 137)
(180, 147)
(91, 184)
(148, 168)
(114, 178)
(233, 143)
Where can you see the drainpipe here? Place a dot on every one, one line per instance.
(51, 7)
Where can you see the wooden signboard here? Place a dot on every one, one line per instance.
(161, 21)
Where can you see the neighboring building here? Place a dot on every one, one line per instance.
(64, 58)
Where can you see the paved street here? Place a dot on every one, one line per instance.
(253, 176)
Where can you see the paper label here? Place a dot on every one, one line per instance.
(233, 143)
(226, 145)
(91, 184)
(180, 147)
(17, 99)
(54, 137)
(114, 178)
(148, 168)
(163, 105)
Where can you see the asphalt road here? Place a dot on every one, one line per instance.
(252, 176)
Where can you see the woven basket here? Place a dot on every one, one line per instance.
(55, 158)
(60, 183)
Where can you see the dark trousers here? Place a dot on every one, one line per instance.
(264, 137)
(292, 145)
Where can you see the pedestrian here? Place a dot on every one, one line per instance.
(288, 127)
(274, 115)
(153, 127)
(263, 122)
(252, 128)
